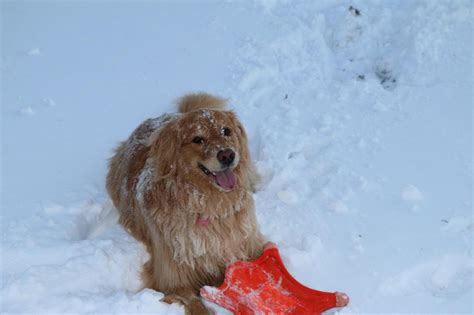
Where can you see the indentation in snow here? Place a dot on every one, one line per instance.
(91, 220)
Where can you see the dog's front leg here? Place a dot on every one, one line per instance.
(191, 301)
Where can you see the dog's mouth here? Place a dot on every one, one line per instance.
(224, 179)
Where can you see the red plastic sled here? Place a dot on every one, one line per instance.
(264, 286)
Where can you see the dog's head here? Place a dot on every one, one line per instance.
(212, 145)
(205, 146)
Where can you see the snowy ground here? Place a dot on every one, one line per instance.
(360, 119)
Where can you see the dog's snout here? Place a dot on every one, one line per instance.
(226, 157)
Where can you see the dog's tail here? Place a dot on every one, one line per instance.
(195, 101)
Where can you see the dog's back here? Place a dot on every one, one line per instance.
(125, 169)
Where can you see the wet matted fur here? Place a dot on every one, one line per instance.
(176, 193)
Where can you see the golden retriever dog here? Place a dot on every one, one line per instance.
(183, 185)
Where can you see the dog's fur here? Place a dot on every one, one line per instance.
(161, 192)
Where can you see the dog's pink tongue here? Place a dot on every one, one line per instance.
(226, 179)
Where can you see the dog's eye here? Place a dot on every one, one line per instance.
(198, 140)
(226, 131)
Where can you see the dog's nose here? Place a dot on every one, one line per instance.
(226, 157)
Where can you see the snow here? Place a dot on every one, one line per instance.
(49, 101)
(26, 111)
(34, 52)
(360, 124)
(411, 193)
(144, 181)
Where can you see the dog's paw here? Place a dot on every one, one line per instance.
(197, 307)
(173, 298)
(269, 245)
(192, 306)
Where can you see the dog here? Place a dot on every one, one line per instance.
(183, 185)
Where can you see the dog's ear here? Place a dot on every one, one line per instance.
(164, 143)
(197, 101)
